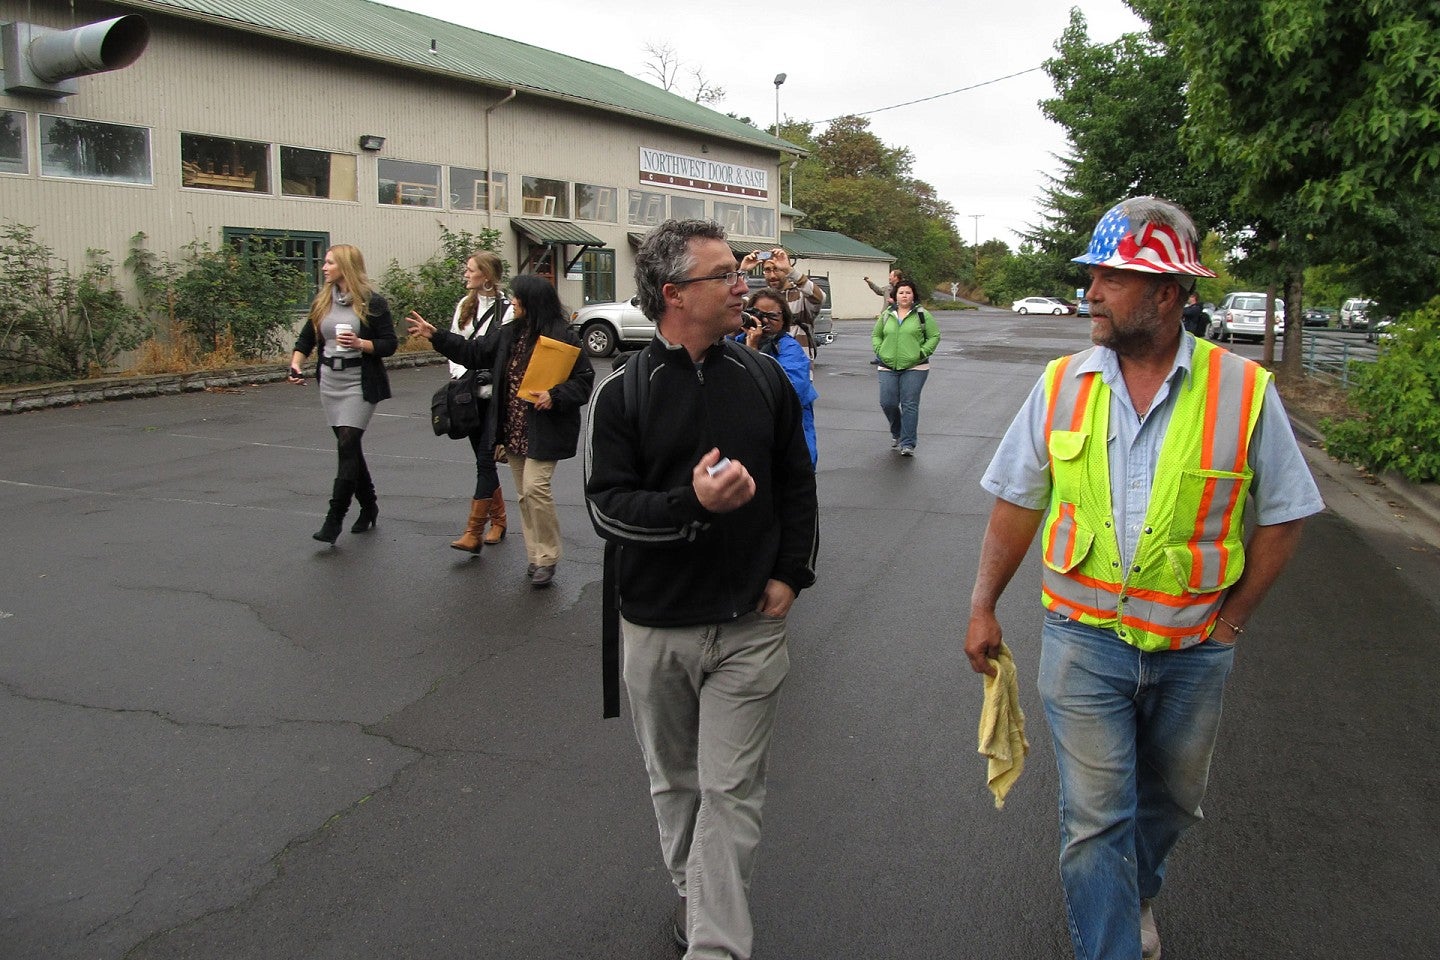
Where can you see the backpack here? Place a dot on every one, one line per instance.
(636, 388)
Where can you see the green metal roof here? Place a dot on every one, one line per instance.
(400, 37)
(555, 231)
(831, 245)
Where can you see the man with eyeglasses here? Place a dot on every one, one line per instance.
(705, 495)
(802, 295)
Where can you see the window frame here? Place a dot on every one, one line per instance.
(280, 173)
(440, 185)
(149, 151)
(267, 152)
(24, 155)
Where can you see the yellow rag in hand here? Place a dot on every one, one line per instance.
(1002, 728)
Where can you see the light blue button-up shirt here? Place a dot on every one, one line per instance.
(1282, 488)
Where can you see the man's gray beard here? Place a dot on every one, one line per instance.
(1139, 336)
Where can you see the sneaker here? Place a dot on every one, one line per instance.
(907, 451)
(679, 926)
(542, 576)
(1149, 933)
(894, 443)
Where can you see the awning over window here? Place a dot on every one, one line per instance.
(554, 231)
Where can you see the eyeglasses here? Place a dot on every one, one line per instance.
(731, 278)
(765, 314)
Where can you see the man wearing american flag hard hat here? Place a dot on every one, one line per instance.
(1139, 461)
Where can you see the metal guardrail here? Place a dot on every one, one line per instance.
(1331, 354)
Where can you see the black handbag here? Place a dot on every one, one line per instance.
(455, 408)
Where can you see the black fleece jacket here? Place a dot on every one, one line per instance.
(679, 564)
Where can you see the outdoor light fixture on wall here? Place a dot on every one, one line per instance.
(371, 142)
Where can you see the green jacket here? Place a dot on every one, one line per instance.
(901, 346)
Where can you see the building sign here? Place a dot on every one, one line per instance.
(698, 173)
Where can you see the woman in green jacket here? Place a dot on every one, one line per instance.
(904, 338)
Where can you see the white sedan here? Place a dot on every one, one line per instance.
(1039, 305)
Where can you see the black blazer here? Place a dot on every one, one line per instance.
(554, 433)
(379, 329)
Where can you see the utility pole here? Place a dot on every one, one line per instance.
(976, 217)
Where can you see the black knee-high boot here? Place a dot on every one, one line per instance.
(369, 502)
(340, 496)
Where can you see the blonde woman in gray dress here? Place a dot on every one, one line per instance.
(351, 325)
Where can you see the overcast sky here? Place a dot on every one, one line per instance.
(985, 150)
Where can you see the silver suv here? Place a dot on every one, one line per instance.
(605, 326)
(1243, 315)
(1355, 314)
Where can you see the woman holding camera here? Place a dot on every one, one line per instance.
(904, 338)
(351, 325)
(478, 319)
(767, 323)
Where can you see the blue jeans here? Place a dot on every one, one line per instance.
(900, 402)
(1133, 734)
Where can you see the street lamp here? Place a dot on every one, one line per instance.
(779, 79)
(976, 217)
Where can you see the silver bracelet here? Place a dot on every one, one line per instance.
(1238, 630)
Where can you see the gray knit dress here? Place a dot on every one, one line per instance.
(340, 393)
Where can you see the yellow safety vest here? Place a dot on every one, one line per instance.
(1191, 546)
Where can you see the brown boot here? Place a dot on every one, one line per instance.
(496, 533)
(470, 540)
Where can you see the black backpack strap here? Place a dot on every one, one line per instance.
(635, 390)
(763, 371)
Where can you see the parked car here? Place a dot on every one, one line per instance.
(1082, 309)
(1317, 317)
(1038, 305)
(1355, 314)
(1243, 315)
(604, 327)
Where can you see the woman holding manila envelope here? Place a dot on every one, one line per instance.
(541, 378)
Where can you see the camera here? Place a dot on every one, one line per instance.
(748, 320)
(766, 255)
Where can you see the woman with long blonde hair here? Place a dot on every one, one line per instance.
(351, 325)
(477, 320)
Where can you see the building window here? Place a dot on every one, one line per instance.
(594, 203)
(14, 158)
(597, 269)
(91, 150)
(760, 222)
(468, 190)
(687, 208)
(540, 197)
(410, 184)
(219, 163)
(646, 209)
(316, 173)
(731, 216)
(302, 249)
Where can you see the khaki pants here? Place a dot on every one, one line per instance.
(539, 521)
(704, 700)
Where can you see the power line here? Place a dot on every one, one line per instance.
(950, 93)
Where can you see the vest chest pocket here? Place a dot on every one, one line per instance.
(1206, 550)
(1067, 462)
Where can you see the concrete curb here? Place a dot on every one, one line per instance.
(1423, 498)
(47, 395)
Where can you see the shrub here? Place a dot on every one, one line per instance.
(1399, 400)
(225, 298)
(53, 324)
(435, 286)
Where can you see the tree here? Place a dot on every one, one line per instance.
(663, 66)
(1122, 106)
(853, 183)
(1324, 113)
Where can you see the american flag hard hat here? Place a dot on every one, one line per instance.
(1148, 235)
